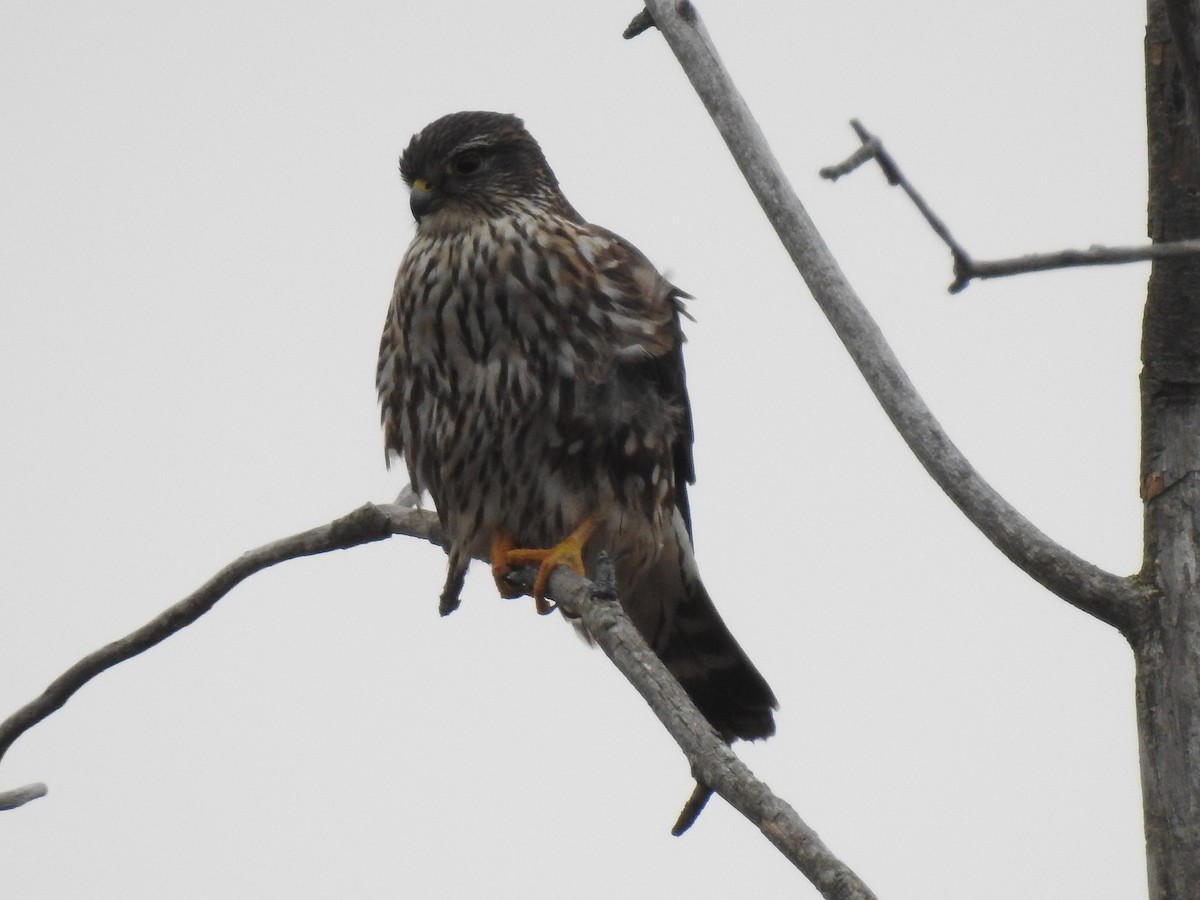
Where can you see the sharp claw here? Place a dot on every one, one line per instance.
(569, 553)
(502, 545)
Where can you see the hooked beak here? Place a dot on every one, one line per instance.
(422, 198)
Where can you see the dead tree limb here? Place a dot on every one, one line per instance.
(364, 525)
(710, 758)
(1110, 598)
(22, 795)
(713, 762)
(872, 148)
(966, 267)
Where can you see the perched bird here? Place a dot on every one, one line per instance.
(531, 376)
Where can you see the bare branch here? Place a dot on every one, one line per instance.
(872, 148)
(1095, 255)
(862, 155)
(366, 524)
(712, 761)
(1108, 597)
(966, 269)
(22, 795)
(643, 21)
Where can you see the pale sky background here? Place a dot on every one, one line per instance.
(200, 222)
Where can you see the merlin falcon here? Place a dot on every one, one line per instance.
(531, 377)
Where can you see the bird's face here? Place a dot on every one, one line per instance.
(469, 166)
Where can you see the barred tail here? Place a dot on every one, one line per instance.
(724, 684)
(675, 615)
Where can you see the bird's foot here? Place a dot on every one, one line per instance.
(569, 553)
(502, 545)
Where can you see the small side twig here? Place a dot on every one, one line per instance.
(966, 268)
(22, 795)
(643, 21)
(872, 148)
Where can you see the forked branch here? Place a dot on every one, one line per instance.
(966, 267)
(1108, 597)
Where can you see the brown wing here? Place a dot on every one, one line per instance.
(646, 391)
(648, 365)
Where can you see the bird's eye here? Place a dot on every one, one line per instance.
(467, 163)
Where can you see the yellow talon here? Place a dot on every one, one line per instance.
(568, 553)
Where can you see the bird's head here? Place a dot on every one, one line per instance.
(471, 165)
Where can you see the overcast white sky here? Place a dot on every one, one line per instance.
(200, 221)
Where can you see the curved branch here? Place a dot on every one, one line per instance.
(1106, 596)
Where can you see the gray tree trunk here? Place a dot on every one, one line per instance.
(1166, 637)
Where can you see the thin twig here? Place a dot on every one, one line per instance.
(966, 268)
(366, 524)
(1108, 597)
(1096, 255)
(863, 154)
(22, 795)
(896, 178)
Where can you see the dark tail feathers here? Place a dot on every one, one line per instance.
(704, 657)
